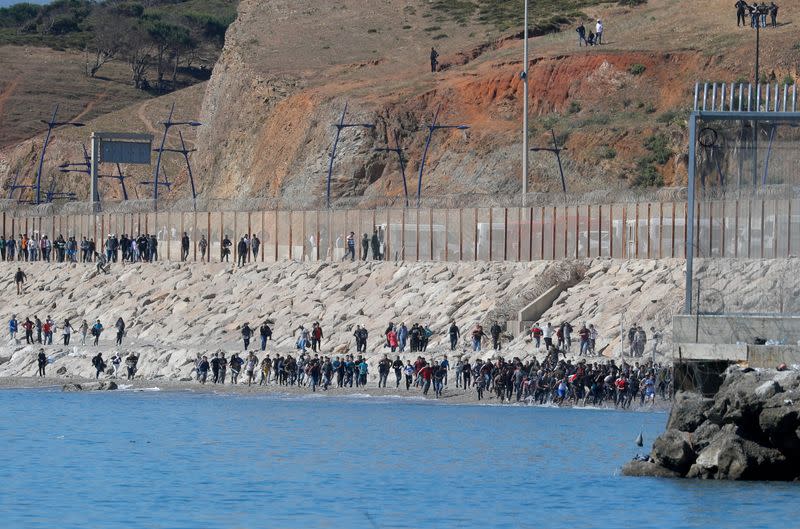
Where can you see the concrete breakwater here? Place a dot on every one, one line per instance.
(750, 431)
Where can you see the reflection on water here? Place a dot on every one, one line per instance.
(175, 460)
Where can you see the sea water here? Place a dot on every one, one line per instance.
(185, 460)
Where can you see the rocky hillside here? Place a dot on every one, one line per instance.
(289, 68)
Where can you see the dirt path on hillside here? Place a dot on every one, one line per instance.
(142, 115)
(90, 106)
(6, 94)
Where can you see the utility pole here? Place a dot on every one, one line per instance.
(341, 125)
(525, 111)
(433, 127)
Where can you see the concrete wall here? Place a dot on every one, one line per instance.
(531, 313)
(732, 329)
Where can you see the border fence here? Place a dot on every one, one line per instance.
(754, 228)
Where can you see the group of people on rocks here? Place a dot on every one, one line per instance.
(757, 12)
(36, 331)
(100, 365)
(143, 247)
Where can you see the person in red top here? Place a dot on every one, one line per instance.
(536, 333)
(584, 335)
(391, 338)
(316, 337)
(426, 374)
(28, 326)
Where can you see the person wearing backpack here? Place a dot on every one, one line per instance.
(98, 364)
(41, 360)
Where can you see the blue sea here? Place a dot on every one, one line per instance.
(184, 460)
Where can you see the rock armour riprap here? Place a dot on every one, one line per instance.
(749, 431)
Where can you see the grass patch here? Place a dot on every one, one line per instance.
(574, 107)
(432, 28)
(372, 31)
(440, 36)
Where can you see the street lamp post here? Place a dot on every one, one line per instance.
(167, 125)
(433, 127)
(525, 110)
(340, 126)
(50, 126)
(399, 151)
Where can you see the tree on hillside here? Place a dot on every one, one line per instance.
(137, 49)
(105, 43)
(169, 41)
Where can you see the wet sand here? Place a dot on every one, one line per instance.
(451, 395)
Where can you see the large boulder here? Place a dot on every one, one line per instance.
(673, 451)
(100, 385)
(638, 468)
(688, 411)
(732, 457)
(703, 435)
(781, 426)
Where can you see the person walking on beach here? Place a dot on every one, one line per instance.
(250, 368)
(236, 368)
(116, 360)
(384, 365)
(97, 329)
(495, 331)
(316, 337)
(247, 333)
(202, 370)
(130, 363)
(19, 279)
(41, 360)
(99, 364)
(67, 331)
(13, 328)
(215, 368)
(477, 336)
(223, 368)
(455, 334)
(120, 326)
(84, 330)
(28, 326)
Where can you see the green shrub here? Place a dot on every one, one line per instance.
(574, 107)
(637, 69)
(607, 152)
(631, 3)
(647, 175)
(788, 80)
(658, 145)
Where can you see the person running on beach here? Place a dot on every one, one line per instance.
(41, 360)
(116, 360)
(250, 368)
(215, 368)
(202, 370)
(19, 279)
(223, 368)
(247, 332)
(397, 365)
(384, 365)
(99, 364)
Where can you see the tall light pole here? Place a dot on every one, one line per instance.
(50, 126)
(433, 127)
(525, 110)
(161, 150)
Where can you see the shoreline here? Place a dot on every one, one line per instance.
(451, 396)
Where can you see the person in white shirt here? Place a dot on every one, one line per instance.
(599, 32)
(547, 334)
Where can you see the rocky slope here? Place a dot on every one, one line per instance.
(174, 311)
(750, 431)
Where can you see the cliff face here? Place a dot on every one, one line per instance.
(288, 69)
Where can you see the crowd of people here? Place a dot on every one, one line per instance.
(757, 12)
(553, 380)
(35, 331)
